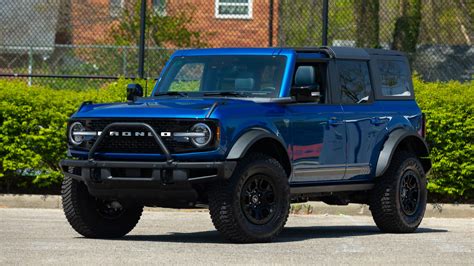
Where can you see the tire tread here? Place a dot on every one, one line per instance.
(383, 202)
(77, 216)
(225, 220)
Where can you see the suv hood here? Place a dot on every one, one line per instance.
(153, 108)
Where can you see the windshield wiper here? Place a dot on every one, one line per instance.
(225, 93)
(172, 93)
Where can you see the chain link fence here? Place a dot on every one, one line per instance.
(79, 43)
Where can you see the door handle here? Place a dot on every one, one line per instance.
(377, 121)
(334, 121)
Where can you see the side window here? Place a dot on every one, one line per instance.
(394, 78)
(312, 76)
(188, 78)
(355, 81)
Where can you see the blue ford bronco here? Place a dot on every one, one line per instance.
(248, 131)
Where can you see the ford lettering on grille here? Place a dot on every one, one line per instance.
(136, 134)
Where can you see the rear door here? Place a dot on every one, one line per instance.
(363, 118)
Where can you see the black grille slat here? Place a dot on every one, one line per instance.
(158, 125)
(147, 144)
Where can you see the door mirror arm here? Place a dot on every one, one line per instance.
(306, 93)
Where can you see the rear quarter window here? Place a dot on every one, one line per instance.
(394, 78)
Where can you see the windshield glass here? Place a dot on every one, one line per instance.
(234, 76)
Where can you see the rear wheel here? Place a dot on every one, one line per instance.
(253, 205)
(97, 218)
(398, 200)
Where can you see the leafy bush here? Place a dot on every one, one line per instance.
(33, 126)
(450, 135)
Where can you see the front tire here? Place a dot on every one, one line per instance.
(398, 200)
(96, 218)
(253, 205)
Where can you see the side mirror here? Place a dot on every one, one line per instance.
(134, 91)
(306, 93)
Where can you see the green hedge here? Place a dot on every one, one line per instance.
(33, 137)
(450, 135)
(33, 126)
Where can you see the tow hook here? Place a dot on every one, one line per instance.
(95, 174)
(166, 177)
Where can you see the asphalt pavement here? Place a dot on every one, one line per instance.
(43, 236)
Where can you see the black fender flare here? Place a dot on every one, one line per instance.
(391, 144)
(245, 142)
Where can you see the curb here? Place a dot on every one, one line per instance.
(318, 208)
(433, 210)
(30, 201)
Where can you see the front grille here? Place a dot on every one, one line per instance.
(171, 125)
(146, 144)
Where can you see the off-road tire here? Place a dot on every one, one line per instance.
(226, 211)
(385, 200)
(81, 210)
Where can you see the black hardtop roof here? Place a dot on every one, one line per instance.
(350, 52)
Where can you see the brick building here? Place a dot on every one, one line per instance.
(222, 22)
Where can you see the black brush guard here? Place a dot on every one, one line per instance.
(168, 179)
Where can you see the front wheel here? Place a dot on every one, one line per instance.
(398, 200)
(97, 218)
(253, 205)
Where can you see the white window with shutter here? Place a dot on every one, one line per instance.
(116, 8)
(159, 6)
(234, 9)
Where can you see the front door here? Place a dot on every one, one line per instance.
(318, 132)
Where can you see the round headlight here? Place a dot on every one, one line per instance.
(76, 139)
(206, 135)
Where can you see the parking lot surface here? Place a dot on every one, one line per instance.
(43, 236)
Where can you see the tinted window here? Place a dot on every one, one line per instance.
(394, 77)
(312, 76)
(253, 76)
(188, 78)
(355, 81)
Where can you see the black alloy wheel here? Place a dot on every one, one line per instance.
(409, 192)
(258, 199)
(109, 209)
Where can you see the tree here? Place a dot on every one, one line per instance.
(299, 23)
(407, 26)
(170, 30)
(367, 23)
(467, 8)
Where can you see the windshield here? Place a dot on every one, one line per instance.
(236, 76)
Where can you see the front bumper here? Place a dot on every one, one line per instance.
(146, 180)
(165, 183)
